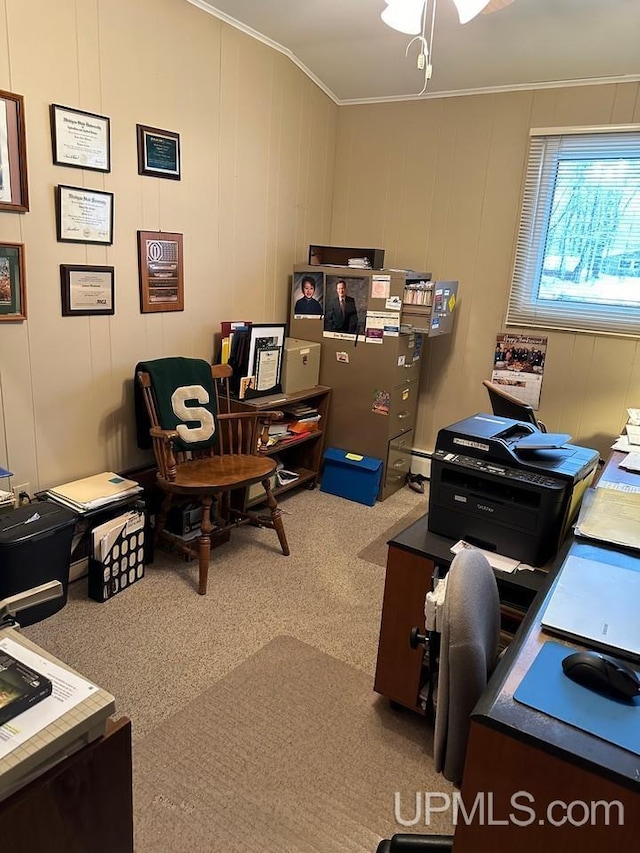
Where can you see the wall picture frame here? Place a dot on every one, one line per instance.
(80, 139)
(87, 290)
(14, 189)
(84, 216)
(13, 288)
(158, 152)
(160, 269)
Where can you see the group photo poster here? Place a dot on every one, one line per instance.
(518, 364)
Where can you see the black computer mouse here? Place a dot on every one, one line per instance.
(604, 674)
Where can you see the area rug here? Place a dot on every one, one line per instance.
(376, 551)
(291, 752)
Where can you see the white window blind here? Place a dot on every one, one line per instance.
(577, 264)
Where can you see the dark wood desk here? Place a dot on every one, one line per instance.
(514, 748)
(413, 557)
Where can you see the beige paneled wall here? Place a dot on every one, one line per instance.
(437, 183)
(258, 141)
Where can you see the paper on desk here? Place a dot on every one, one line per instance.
(69, 690)
(620, 487)
(496, 561)
(631, 462)
(634, 416)
(623, 444)
(610, 515)
(633, 434)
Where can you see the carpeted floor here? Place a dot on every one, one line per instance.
(289, 753)
(376, 551)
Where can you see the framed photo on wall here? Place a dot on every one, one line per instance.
(86, 290)
(14, 192)
(160, 271)
(158, 152)
(80, 139)
(84, 216)
(13, 305)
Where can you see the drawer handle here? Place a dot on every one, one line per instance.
(394, 477)
(400, 463)
(403, 415)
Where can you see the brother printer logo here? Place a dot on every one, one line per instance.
(486, 508)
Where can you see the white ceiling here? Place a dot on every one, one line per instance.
(354, 56)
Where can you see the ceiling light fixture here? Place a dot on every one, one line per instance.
(412, 17)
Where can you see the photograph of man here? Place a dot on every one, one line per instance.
(308, 304)
(341, 314)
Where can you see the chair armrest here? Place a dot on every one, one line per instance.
(412, 843)
(166, 434)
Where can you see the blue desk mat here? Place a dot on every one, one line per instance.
(546, 688)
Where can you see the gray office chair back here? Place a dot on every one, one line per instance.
(468, 652)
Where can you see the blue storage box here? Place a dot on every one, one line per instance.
(351, 476)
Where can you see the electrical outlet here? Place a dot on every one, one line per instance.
(23, 488)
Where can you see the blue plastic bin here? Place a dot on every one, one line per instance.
(351, 476)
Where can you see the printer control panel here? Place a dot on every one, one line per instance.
(488, 467)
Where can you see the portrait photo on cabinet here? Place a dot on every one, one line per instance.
(307, 295)
(345, 306)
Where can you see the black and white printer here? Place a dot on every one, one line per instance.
(491, 485)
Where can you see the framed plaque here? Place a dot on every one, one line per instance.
(80, 139)
(84, 216)
(13, 304)
(86, 290)
(14, 194)
(160, 271)
(158, 152)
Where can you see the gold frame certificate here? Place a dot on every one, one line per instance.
(84, 216)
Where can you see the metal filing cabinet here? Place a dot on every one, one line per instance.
(375, 385)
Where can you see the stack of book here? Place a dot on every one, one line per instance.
(93, 492)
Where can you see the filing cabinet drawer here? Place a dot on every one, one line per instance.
(402, 408)
(398, 463)
(408, 366)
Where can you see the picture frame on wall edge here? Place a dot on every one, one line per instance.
(160, 270)
(13, 286)
(87, 290)
(14, 189)
(158, 152)
(80, 139)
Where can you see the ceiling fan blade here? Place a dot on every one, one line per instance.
(495, 5)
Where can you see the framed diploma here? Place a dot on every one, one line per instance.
(14, 194)
(84, 216)
(158, 152)
(160, 271)
(13, 304)
(80, 139)
(86, 290)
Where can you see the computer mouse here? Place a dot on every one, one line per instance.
(604, 674)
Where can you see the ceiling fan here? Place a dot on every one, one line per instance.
(417, 18)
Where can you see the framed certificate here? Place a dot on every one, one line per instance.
(14, 194)
(158, 152)
(86, 290)
(84, 216)
(80, 139)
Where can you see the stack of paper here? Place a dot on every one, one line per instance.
(610, 515)
(94, 492)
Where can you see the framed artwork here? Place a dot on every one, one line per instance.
(266, 348)
(80, 139)
(86, 290)
(158, 152)
(14, 192)
(160, 271)
(84, 216)
(13, 305)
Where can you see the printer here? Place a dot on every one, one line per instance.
(493, 493)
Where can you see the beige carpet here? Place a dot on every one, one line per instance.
(376, 551)
(291, 752)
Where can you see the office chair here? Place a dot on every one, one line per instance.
(204, 452)
(469, 624)
(505, 405)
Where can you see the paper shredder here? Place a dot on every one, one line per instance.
(35, 547)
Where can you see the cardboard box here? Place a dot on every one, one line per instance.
(351, 476)
(301, 365)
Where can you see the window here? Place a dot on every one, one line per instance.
(577, 264)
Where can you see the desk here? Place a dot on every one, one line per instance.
(515, 748)
(413, 557)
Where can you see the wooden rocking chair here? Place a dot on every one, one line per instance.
(225, 456)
